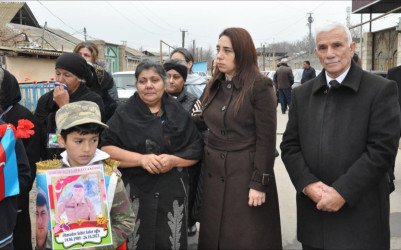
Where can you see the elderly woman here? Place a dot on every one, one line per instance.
(102, 82)
(155, 139)
(239, 204)
(71, 70)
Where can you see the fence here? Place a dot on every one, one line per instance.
(30, 94)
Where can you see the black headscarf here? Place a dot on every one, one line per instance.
(178, 66)
(10, 92)
(133, 127)
(75, 64)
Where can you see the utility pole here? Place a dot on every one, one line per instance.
(310, 21)
(263, 56)
(43, 34)
(85, 33)
(183, 37)
(193, 48)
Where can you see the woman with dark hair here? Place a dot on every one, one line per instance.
(102, 82)
(240, 207)
(194, 84)
(177, 73)
(155, 140)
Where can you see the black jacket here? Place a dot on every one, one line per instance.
(101, 82)
(9, 206)
(187, 100)
(308, 74)
(348, 139)
(395, 74)
(10, 95)
(45, 113)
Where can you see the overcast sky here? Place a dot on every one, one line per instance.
(145, 23)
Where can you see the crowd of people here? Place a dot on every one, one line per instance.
(209, 157)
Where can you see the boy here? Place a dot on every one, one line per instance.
(80, 125)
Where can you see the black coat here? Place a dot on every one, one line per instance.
(10, 96)
(308, 74)
(348, 139)
(9, 206)
(395, 74)
(45, 113)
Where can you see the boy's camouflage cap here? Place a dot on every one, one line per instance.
(78, 113)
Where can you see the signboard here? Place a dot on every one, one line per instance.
(360, 4)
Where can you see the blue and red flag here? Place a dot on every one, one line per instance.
(9, 184)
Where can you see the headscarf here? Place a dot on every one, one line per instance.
(73, 63)
(178, 66)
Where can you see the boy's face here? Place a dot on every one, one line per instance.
(80, 148)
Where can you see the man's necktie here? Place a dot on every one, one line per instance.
(334, 84)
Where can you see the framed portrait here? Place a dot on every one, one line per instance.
(79, 212)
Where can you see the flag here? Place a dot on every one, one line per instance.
(9, 184)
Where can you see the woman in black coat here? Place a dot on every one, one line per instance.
(155, 140)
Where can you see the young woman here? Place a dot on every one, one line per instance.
(240, 204)
(102, 82)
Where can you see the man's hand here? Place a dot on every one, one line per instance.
(314, 190)
(61, 96)
(331, 200)
(256, 198)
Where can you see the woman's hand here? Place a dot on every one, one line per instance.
(167, 162)
(151, 163)
(256, 198)
(61, 96)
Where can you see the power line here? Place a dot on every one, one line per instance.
(156, 24)
(139, 26)
(57, 17)
(157, 16)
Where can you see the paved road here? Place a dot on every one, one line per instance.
(286, 194)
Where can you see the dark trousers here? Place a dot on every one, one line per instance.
(285, 99)
(22, 230)
(306, 247)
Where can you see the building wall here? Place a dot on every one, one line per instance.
(36, 69)
(367, 51)
(385, 49)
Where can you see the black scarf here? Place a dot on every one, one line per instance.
(133, 127)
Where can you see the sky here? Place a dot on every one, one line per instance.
(142, 24)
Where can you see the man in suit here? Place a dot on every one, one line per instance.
(341, 139)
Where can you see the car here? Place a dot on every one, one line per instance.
(126, 84)
(203, 74)
(298, 76)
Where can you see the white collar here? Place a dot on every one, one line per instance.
(99, 156)
(339, 79)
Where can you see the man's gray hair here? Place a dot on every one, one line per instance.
(329, 25)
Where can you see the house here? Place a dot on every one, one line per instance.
(379, 50)
(30, 50)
